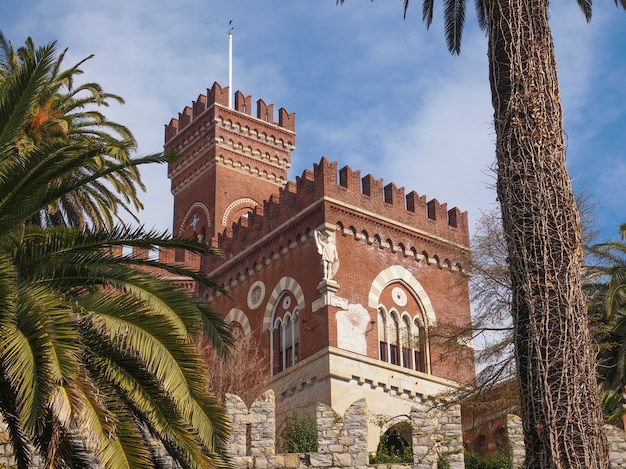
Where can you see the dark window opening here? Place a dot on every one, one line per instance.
(406, 357)
(393, 354)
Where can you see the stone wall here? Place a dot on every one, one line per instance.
(515, 434)
(437, 433)
(617, 446)
(342, 440)
(6, 451)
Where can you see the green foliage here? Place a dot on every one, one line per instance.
(390, 457)
(613, 405)
(389, 453)
(300, 434)
(443, 462)
(493, 461)
(606, 290)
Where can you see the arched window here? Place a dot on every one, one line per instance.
(285, 335)
(291, 340)
(237, 331)
(480, 445)
(396, 443)
(382, 336)
(501, 440)
(402, 335)
(394, 339)
(420, 347)
(406, 336)
(277, 349)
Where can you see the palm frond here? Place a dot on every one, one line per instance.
(216, 330)
(68, 116)
(454, 20)
(17, 94)
(156, 409)
(42, 178)
(80, 251)
(585, 6)
(427, 11)
(481, 14)
(8, 293)
(41, 350)
(19, 440)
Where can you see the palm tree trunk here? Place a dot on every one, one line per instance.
(555, 357)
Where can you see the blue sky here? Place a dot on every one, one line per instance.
(370, 90)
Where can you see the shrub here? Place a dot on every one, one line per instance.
(493, 461)
(388, 452)
(300, 434)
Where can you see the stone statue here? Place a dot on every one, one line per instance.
(327, 249)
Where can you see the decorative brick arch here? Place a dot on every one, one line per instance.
(285, 284)
(397, 273)
(244, 201)
(239, 316)
(195, 205)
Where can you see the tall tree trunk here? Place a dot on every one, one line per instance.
(555, 357)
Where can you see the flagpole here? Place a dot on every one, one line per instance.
(230, 66)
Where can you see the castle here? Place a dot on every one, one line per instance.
(348, 284)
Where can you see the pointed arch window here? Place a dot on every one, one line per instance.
(285, 338)
(420, 347)
(291, 340)
(394, 339)
(407, 340)
(277, 346)
(382, 336)
(402, 339)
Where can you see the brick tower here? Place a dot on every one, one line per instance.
(349, 285)
(230, 162)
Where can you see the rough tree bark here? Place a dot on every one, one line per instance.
(555, 359)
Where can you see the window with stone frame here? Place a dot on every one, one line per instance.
(394, 338)
(402, 339)
(383, 341)
(285, 335)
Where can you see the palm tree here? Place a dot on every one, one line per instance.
(555, 359)
(68, 112)
(98, 355)
(608, 294)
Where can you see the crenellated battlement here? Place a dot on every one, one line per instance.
(217, 96)
(344, 188)
(370, 194)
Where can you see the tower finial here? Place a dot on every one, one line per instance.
(230, 64)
